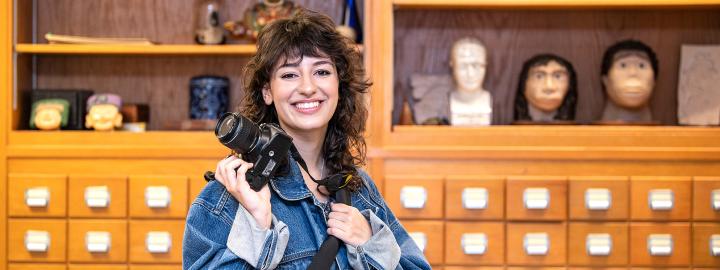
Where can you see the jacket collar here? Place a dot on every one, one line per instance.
(291, 187)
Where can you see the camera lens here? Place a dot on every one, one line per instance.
(237, 133)
(226, 126)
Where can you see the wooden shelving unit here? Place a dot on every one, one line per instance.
(170, 49)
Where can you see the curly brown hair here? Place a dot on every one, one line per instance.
(309, 33)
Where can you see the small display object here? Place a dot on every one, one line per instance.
(547, 90)
(208, 97)
(76, 98)
(259, 15)
(698, 91)
(351, 25)
(209, 31)
(629, 70)
(459, 99)
(49, 114)
(470, 103)
(135, 117)
(104, 112)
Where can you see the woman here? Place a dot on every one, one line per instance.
(306, 78)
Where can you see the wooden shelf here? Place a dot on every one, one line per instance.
(554, 142)
(188, 49)
(86, 144)
(550, 3)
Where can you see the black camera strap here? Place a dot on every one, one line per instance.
(335, 184)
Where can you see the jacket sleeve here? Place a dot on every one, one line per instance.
(390, 247)
(213, 240)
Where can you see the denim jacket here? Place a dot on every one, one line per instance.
(221, 234)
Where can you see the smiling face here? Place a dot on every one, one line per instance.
(305, 93)
(630, 80)
(547, 86)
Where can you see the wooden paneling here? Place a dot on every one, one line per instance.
(423, 37)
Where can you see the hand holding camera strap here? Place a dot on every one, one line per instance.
(335, 184)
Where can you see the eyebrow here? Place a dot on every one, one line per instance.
(296, 64)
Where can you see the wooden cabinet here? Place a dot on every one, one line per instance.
(598, 198)
(474, 243)
(539, 244)
(429, 237)
(97, 196)
(156, 241)
(598, 244)
(97, 241)
(158, 196)
(475, 197)
(37, 240)
(415, 197)
(660, 244)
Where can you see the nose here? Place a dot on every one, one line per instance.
(549, 86)
(307, 86)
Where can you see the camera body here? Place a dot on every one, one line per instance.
(266, 146)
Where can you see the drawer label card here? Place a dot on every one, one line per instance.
(660, 244)
(413, 197)
(536, 244)
(37, 241)
(97, 242)
(97, 196)
(598, 198)
(661, 199)
(474, 243)
(598, 244)
(37, 197)
(158, 242)
(475, 198)
(536, 198)
(157, 196)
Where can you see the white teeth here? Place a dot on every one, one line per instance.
(307, 105)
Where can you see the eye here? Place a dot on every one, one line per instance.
(288, 75)
(623, 65)
(323, 72)
(641, 65)
(539, 75)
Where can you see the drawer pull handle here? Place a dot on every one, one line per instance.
(715, 245)
(660, 244)
(598, 244)
(97, 242)
(598, 198)
(37, 241)
(37, 197)
(413, 197)
(661, 199)
(158, 242)
(536, 198)
(97, 196)
(157, 196)
(474, 243)
(420, 239)
(536, 244)
(715, 199)
(475, 198)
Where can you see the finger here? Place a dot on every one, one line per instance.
(220, 171)
(230, 176)
(241, 181)
(338, 216)
(336, 224)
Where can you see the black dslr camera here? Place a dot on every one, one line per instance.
(266, 146)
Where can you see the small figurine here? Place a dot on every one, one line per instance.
(104, 112)
(49, 114)
(260, 15)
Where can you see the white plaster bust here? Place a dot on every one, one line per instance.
(470, 103)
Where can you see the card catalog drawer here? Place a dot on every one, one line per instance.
(706, 198)
(660, 198)
(155, 267)
(536, 243)
(415, 196)
(660, 244)
(158, 196)
(598, 198)
(706, 244)
(97, 240)
(474, 243)
(598, 244)
(36, 240)
(97, 267)
(97, 196)
(35, 266)
(37, 195)
(474, 198)
(156, 241)
(536, 198)
(428, 235)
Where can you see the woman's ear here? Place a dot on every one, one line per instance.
(267, 95)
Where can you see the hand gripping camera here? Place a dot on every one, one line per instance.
(266, 146)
